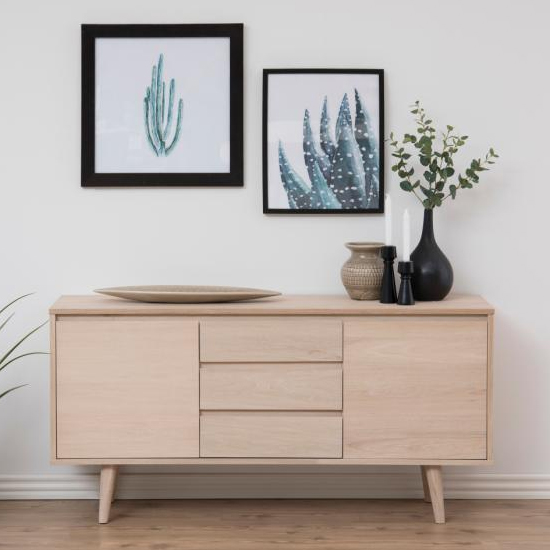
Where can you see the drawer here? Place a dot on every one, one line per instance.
(256, 340)
(271, 386)
(270, 435)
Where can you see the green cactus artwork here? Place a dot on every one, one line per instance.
(343, 172)
(159, 117)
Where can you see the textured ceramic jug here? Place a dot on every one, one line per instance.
(362, 272)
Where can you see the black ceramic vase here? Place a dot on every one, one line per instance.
(433, 274)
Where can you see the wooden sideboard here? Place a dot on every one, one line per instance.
(286, 380)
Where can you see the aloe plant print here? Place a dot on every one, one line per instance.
(342, 171)
(158, 119)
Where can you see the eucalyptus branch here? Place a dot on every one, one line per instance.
(437, 161)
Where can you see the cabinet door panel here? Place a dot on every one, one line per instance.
(415, 388)
(127, 387)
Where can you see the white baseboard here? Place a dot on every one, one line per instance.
(262, 485)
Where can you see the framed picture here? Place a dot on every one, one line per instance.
(162, 105)
(323, 141)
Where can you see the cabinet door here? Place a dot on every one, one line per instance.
(127, 387)
(415, 388)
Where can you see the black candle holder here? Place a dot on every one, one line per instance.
(405, 298)
(388, 293)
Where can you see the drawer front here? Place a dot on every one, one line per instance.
(256, 340)
(271, 386)
(270, 435)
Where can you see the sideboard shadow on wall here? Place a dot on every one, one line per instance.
(290, 380)
(173, 116)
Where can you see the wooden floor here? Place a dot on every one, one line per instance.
(280, 524)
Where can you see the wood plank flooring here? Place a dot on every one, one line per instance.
(276, 524)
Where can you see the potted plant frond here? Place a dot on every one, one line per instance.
(10, 356)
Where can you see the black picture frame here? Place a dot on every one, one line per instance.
(266, 208)
(233, 178)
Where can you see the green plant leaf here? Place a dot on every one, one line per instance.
(298, 193)
(322, 196)
(429, 176)
(12, 389)
(6, 321)
(344, 117)
(406, 186)
(347, 179)
(13, 302)
(424, 160)
(327, 143)
(13, 348)
(21, 356)
(313, 156)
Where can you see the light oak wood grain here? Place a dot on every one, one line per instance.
(107, 484)
(435, 486)
(490, 336)
(53, 390)
(275, 434)
(278, 461)
(341, 305)
(327, 524)
(425, 486)
(416, 388)
(255, 340)
(271, 386)
(417, 384)
(127, 387)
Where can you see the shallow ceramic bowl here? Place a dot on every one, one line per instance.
(186, 294)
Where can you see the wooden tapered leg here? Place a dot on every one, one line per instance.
(115, 487)
(435, 485)
(425, 484)
(107, 482)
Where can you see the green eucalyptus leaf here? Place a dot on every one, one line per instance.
(448, 171)
(429, 176)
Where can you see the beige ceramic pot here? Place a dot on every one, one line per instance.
(362, 272)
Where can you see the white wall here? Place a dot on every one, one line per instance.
(481, 66)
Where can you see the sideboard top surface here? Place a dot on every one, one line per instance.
(455, 304)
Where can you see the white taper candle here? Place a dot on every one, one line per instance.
(406, 236)
(387, 220)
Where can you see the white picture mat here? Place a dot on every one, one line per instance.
(201, 70)
(288, 96)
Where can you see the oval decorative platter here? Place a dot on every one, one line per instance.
(186, 294)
